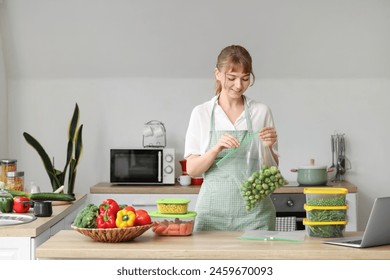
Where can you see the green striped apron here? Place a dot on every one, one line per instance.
(220, 205)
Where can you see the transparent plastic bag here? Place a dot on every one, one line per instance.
(245, 159)
(245, 167)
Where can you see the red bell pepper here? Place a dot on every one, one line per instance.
(107, 214)
(110, 206)
(106, 221)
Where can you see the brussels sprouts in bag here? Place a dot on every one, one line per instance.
(255, 180)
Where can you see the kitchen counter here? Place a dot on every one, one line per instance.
(20, 241)
(38, 226)
(218, 245)
(106, 187)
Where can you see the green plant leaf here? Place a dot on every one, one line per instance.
(79, 144)
(72, 176)
(68, 155)
(73, 123)
(45, 159)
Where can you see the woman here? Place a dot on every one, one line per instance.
(216, 127)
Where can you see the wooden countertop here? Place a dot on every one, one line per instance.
(41, 224)
(106, 187)
(69, 244)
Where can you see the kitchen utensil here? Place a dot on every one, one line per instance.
(312, 175)
(338, 154)
(154, 134)
(332, 147)
(184, 180)
(43, 208)
(197, 181)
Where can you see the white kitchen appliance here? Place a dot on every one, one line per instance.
(142, 166)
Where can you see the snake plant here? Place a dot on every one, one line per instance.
(74, 149)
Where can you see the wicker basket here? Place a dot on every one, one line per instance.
(113, 235)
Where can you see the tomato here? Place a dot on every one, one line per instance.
(142, 217)
(130, 208)
(21, 204)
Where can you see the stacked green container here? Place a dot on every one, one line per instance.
(326, 212)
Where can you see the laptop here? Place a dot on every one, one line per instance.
(377, 231)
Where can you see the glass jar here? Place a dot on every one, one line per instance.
(7, 165)
(15, 181)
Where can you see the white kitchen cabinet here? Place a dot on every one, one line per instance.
(20, 241)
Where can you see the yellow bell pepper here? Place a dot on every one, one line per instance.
(125, 218)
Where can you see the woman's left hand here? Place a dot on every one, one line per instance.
(268, 135)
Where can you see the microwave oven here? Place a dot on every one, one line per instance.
(142, 166)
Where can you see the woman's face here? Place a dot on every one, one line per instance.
(234, 81)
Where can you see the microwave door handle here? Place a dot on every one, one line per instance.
(159, 172)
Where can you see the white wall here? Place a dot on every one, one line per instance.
(3, 103)
(322, 67)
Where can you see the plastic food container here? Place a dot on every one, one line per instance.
(7, 165)
(326, 213)
(173, 225)
(15, 181)
(325, 229)
(172, 205)
(325, 196)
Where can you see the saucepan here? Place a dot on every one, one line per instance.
(313, 175)
(43, 208)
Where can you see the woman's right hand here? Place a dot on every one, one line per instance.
(198, 164)
(227, 141)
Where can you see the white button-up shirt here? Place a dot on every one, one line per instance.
(198, 132)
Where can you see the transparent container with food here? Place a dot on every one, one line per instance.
(325, 229)
(173, 224)
(172, 205)
(7, 165)
(325, 196)
(15, 181)
(326, 213)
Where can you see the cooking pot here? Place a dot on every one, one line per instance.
(43, 208)
(312, 175)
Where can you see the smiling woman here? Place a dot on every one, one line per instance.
(215, 128)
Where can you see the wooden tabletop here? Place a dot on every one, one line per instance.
(105, 187)
(69, 244)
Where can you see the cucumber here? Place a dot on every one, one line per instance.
(18, 193)
(44, 195)
(52, 196)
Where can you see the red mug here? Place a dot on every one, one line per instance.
(197, 181)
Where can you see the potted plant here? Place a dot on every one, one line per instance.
(74, 149)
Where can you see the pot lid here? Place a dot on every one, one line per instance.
(312, 166)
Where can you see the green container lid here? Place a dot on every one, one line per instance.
(173, 201)
(189, 214)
